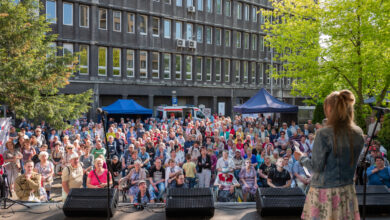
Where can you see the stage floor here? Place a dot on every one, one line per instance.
(223, 211)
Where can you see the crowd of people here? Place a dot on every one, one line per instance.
(234, 156)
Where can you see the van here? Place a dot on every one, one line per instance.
(165, 112)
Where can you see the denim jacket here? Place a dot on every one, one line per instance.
(330, 170)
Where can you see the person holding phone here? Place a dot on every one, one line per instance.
(336, 149)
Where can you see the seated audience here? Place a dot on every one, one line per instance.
(379, 174)
(279, 177)
(28, 183)
(248, 179)
(226, 184)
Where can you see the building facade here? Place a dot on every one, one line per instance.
(205, 51)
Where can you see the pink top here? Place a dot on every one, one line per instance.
(94, 181)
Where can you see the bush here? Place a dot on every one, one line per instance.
(384, 133)
(318, 114)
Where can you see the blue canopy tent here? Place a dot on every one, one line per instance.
(127, 107)
(263, 102)
(373, 99)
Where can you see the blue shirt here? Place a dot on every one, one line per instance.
(382, 177)
(253, 158)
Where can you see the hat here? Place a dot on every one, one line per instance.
(141, 181)
(73, 156)
(115, 157)
(225, 170)
(238, 151)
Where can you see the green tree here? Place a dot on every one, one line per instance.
(318, 114)
(31, 75)
(384, 133)
(331, 45)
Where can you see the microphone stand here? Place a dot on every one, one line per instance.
(103, 115)
(364, 163)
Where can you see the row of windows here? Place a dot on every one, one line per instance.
(181, 64)
(221, 7)
(84, 13)
(192, 32)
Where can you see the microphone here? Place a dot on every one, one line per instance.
(380, 109)
(100, 111)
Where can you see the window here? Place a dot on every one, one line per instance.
(227, 70)
(143, 24)
(209, 6)
(102, 62)
(253, 72)
(208, 68)
(208, 35)
(53, 50)
(83, 59)
(199, 68)
(178, 67)
(143, 64)
(261, 43)
(102, 18)
(167, 28)
(200, 5)
(179, 3)
(246, 12)
(167, 2)
(167, 66)
(117, 20)
(261, 72)
(219, 7)
(227, 38)
(245, 68)
(238, 40)
(51, 11)
(199, 33)
(130, 22)
(267, 75)
(228, 8)
(262, 18)
(254, 42)
(67, 50)
(178, 31)
(246, 41)
(67, 13)
(188, 67)
(218, 36)
(155, 65)
(218, 70)
(190, 3)
(189, 31)
(84, 16)
(254, 13)
(237, 70)
(130, 63)
(156, 26)
(239, 10)
(116, 61)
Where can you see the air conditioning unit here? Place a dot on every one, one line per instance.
(192, 44)
(191, 9)
(181, 43)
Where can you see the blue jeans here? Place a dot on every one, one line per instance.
(161, 189)
(237, 174)
(191, 182)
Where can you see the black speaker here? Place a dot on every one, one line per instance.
(90, 202)
(377, 199)
(280, 202)
(190, 202)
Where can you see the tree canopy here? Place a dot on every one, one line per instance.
(332, 45)
(31, 74)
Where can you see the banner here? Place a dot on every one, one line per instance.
(5, 124)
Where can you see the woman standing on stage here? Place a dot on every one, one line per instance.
(335, 154)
